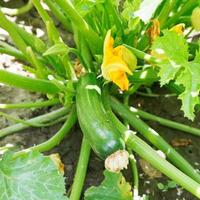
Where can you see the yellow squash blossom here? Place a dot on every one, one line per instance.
(179, 28)
(117, 63)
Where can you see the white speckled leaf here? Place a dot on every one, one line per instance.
(172, 50)
(30, 177)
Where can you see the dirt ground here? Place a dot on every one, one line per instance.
(69, 148)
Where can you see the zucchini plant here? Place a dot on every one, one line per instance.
(120, 49)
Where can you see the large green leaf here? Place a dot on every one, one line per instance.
(171, 51)
(189, 78)
(30, 176)
(114, 187)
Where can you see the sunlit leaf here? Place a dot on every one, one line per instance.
(30, 176)
(189, 78)
(171, 51)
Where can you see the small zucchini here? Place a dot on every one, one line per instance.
(102, 135)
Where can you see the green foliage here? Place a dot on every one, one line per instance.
(30, 176)
(166, 186)
(114, 187)
(171, 51)
(58, 48)
(85, 7)
(129, 8)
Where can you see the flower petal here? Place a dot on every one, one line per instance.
(120, 79)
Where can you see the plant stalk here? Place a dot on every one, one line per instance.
(93, 39)
(151, 156)
(40, 119)
(166, 122)
(134, 143)
(56, 139)
(27, 83)
(155, 139)
(38, 104)
(18, 11)
(81, 170)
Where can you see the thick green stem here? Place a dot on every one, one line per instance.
(53, 33)
(31, 40)
(166, 122)
(38, 104)
(155, 139)
(151, 156)
(134, 143)
(18, 11)
(42, 12)
(56, 139)
(133, 164)
(18, 120)
(185, 8)
(141, 55)
(16, 54)
(40, 119)
(31, 84)
(55, 9)
(166, 9)
(81, 170)
(91, 36)
(8, 26)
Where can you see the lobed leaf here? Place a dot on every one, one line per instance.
(171, 51)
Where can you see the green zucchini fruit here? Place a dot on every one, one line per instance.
(102, 135)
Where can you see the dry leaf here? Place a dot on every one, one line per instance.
(181, 142)
(57, 161)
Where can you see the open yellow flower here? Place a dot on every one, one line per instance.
(117, 63)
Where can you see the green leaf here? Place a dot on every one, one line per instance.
(30, 176)
(161, 186)
(129, 8)
(171, 184)
(145, 76)
(172, 51)
(58, 48)
(85, 7)
(114, 187)
(189, 78)
(197, 57)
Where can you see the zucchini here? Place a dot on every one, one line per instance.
(95, 124)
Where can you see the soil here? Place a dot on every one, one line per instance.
(69, 148)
